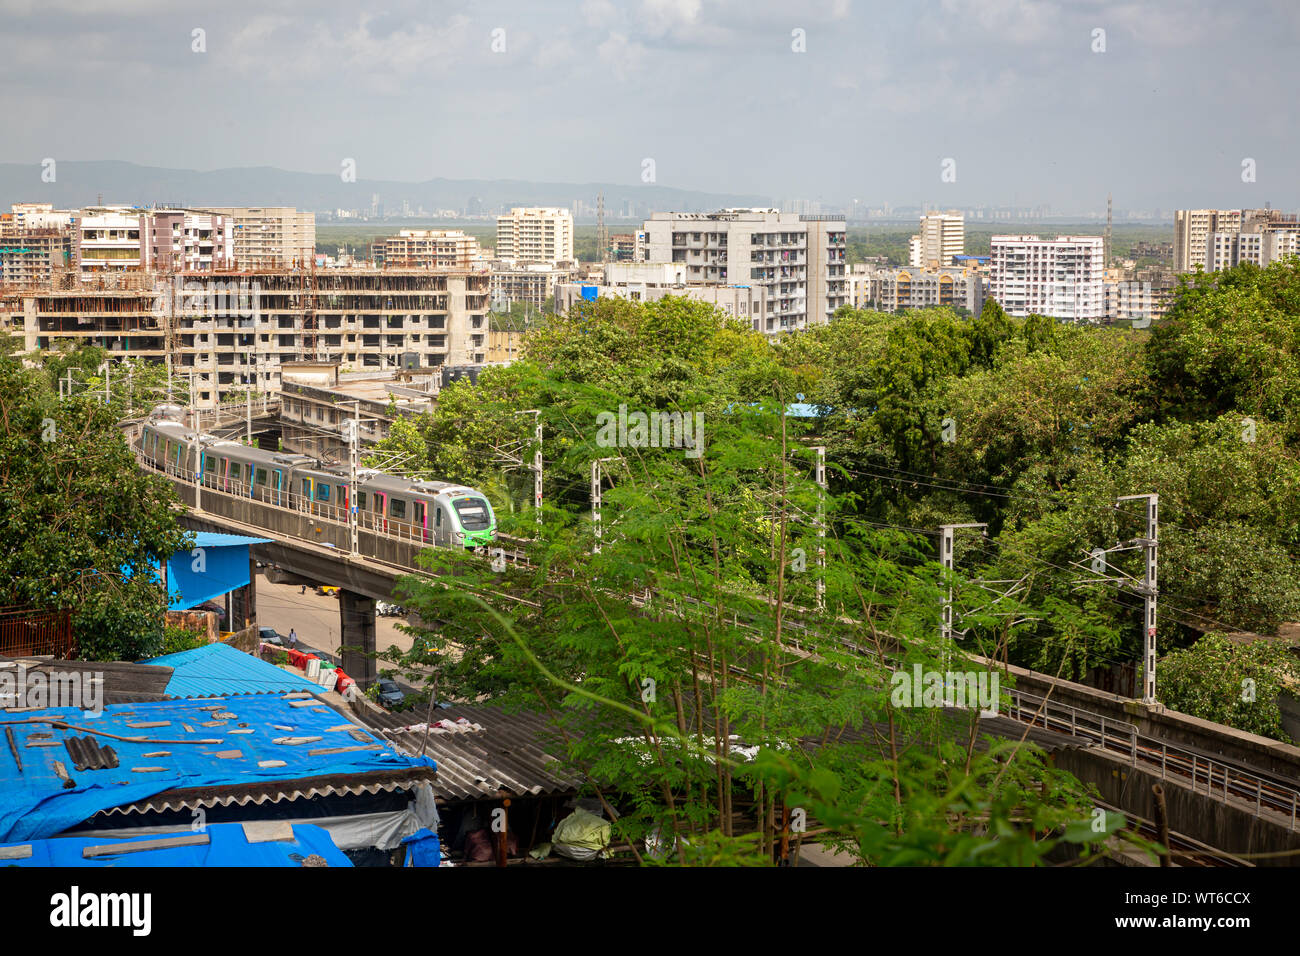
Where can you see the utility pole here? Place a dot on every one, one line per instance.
(1149, 591)
(108, 366)
(821, 527)
(352, 429)
(946, 536)
(198, 473)
(595, 499)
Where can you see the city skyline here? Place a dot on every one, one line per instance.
(834, 102)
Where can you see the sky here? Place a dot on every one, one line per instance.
(944, 102)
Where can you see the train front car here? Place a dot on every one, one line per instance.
(473, 513)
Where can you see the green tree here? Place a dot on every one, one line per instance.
(1237, 683)
(82, 527)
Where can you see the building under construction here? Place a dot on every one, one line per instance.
(230, 331)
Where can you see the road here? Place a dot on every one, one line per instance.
(316, 618)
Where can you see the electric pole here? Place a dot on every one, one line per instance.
(821, 527)
(353, 431)
(946, 536)
(595, 500)
(1149, 591)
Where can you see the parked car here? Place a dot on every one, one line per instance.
(270, 635)
(328, 590)
(384, 609)
(390, 695)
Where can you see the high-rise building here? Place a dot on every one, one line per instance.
(942, 236)
(1192, 230)
(271, 237)
(536, 234)
(229, 334)
(1063, 277)
(799, 260)
(1263, 237)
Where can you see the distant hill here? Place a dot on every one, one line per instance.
(82, 183)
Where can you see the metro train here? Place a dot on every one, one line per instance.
(437, 512)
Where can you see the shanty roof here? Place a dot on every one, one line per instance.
(184, 753)
(263, 843)
(219, 669)
(116, 682)
(480, 750)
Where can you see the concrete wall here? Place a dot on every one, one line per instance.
(1231, 827)
(1261, 753)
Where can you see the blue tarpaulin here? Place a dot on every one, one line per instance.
(423, 848)
(239, 747)
(217, 669)
(216, 565)
(590, 292)
(226, 846)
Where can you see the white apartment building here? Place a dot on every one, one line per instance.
(428, 249)
(1062, 278)
(747, 303)
(40, 215)
(797, 260)
(528, 282)
(942, 236)
(536, 234)
(1224, 250)
(271, 237)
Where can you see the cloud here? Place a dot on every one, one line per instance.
(622, 55)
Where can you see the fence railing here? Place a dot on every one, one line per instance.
(1218, 780)
(335, 514)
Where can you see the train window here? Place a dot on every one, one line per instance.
(396, 508)
(473, 513)
(210, 463)
(235, 470)
(259, 476)
(322, 492)
(361, 500)
(437, 518)
(306, 487)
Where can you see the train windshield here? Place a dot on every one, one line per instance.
(474, 513)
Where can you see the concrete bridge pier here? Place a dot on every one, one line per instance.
(357, 630)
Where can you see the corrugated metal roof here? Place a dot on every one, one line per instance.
(122, 682)
(218, 670)
(383, 781)
(489, 752)
(180, 753)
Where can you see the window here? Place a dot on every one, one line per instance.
(235, 470)
(322, 492)
(361, 500)
(437, 518)
(306, 488)
(259, 476)
(210, 463)
(397, 509)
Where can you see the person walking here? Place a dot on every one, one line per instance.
(293, 638)
(304, 589)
